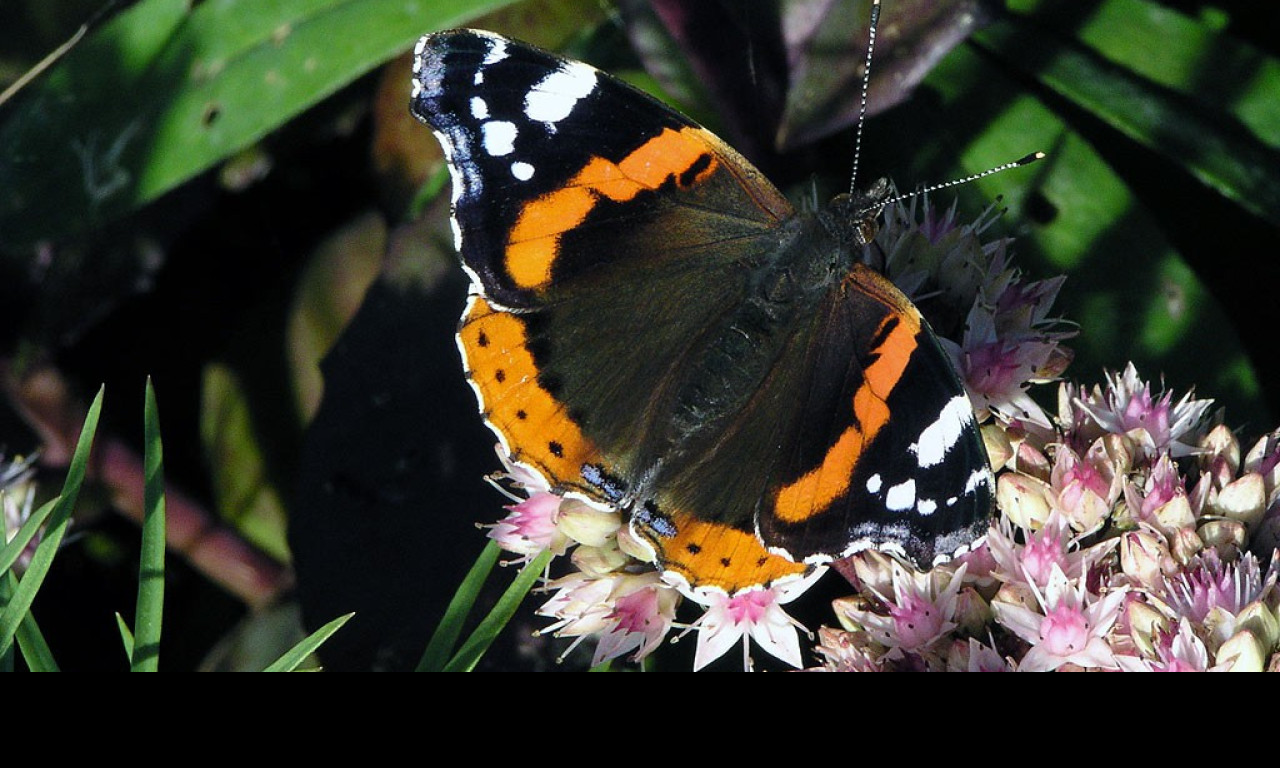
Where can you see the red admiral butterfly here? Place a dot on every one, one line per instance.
(654, 328)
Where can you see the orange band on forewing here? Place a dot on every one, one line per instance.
(815, 491)
(534, 242)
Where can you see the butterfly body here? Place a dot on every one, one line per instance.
(653, 327)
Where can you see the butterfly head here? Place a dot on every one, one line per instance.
(856, 217)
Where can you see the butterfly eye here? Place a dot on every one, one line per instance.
(865, 230)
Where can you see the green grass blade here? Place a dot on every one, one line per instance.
(126, 635)
(484, 635)
(299, 653)
(7, 584)
(445, 638)
(35, 651)
(25, 593)
(149, 617)
(168, 88)
(10, 552)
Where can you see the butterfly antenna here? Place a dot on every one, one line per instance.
(862, 104)
(1028, 160)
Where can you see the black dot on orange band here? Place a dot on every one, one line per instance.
(725, 562)
(556, 449)
(522, 414)
(761, 561)
(693, 549)
(500, 375)
(483, 339)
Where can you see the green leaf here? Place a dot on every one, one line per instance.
(1207, 141)
(8, 583)
(126, 635)
(16, 611)
(1131, 290)
(299, 653)
(487, 631)
(445, 638)
(1181, 53)
(243, 493)
(35, 651)
(168, 88)
(150, 613)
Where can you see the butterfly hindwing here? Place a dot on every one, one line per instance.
(891, 458)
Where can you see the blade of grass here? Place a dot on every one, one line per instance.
(298, 653)
(10, 552)
(149, 617)
(7, 584)
(445, 638)
(35, 651)
(487, 631)
(126, 635)
(14, 613)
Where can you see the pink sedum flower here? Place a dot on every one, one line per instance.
(1072, 628)
(1213, 591)
(754, 614)
(1043, 552)
(641, 617)
(920, 611)
(623, 612)
(1181, 651)
(1085, 488)
(530, 526)
(1128, 407)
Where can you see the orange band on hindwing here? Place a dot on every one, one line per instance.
(715, 555)
(534, 242)
(816, 489)
(535, 427)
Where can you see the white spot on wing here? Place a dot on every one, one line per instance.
(979, 477)
(874, 483)
(901, 497)
(497, 50)
(522, 170)
(479, 109)
(554, 97)
(941, 436)
(498, 137)
(927, 507)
